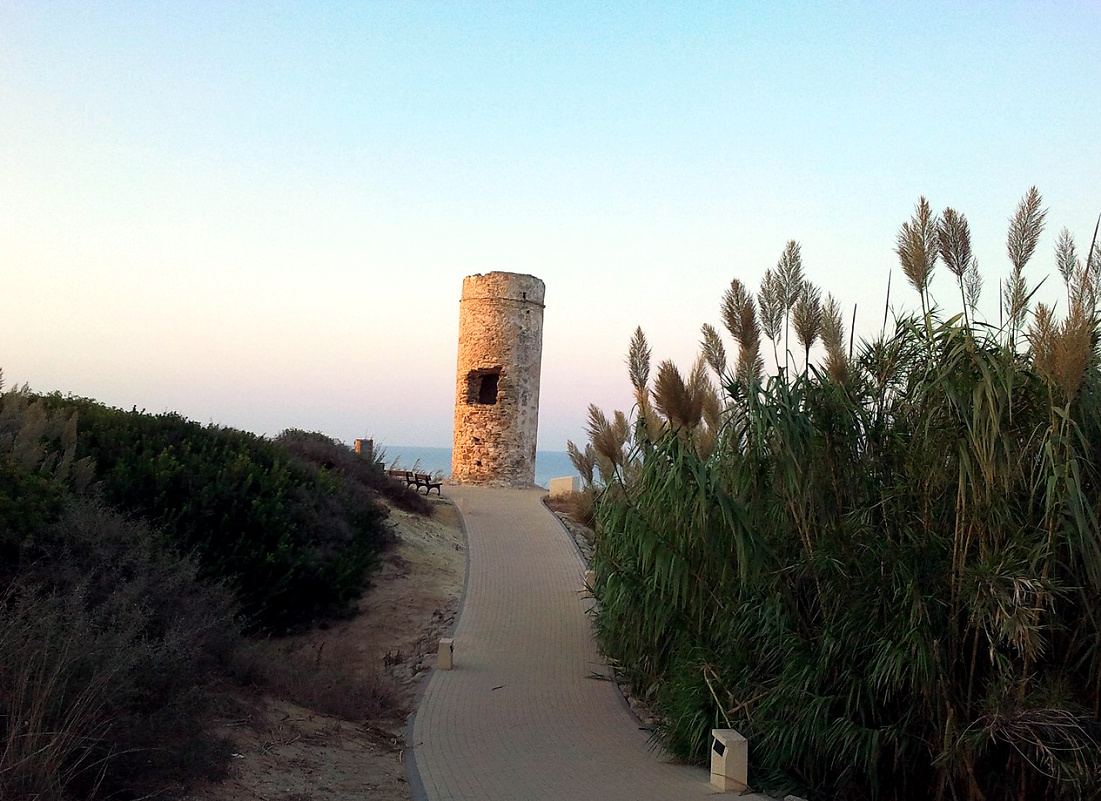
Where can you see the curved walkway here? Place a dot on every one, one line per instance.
(521, 716)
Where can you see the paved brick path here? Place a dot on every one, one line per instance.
(520, 717)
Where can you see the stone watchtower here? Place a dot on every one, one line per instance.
(497, 386)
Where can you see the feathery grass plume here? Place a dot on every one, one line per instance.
(1041, 339)
(638, 366)
(1066, 258)
(650, 425)
(1063, 352)
(713, 350)
(712, 409)
(972, 286)
(916, 246)
(584, 461)
(699, 382)
(1075, 350)
(606, 469)
(1084, 291)
(621, 426)
(673, 399)
(954, 247)
(739, 313)
(702, 392)
(1081, 282)
(704, 439)
(833, 337)
(603, 436)
(1025, 227)
(638, 362)
(954, 242)
(789, 272)
(750, 365)
(807, 319)
(1093, 257)
(731, 309)
(1015, 303)
(771, 299)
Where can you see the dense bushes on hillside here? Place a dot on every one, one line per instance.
(292, 538)
(884, 571)
(326, 453)
(112, 627)
(107, 639)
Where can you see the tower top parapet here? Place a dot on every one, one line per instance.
(504, 286)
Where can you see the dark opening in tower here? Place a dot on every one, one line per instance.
(482, 386)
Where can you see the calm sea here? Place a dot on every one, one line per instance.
(548, 464)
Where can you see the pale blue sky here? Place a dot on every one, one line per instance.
(260, 214)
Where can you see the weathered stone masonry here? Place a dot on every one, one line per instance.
(497, 382)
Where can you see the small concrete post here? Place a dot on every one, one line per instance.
(564, 485)
(446, 659)
(729, 760)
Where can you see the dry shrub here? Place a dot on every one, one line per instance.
(579, 506)
(366, 475)
(326, 677)
(107, 642)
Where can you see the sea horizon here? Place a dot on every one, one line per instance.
(548, 464)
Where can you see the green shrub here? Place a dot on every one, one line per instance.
(37, 467)
(294, 540)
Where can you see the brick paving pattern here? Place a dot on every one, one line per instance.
(521, 715)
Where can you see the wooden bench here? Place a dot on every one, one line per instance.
(417, 480)
(425, 480)
(402, 475)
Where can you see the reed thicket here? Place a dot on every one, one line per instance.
(882, 565)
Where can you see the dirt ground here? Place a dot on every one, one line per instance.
(285, 752)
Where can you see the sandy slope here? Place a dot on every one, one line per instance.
(284, 751)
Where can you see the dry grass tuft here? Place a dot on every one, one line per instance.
(317, 677)
(579, 506)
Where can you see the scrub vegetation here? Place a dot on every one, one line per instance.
(881, 564)
(134, 551)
